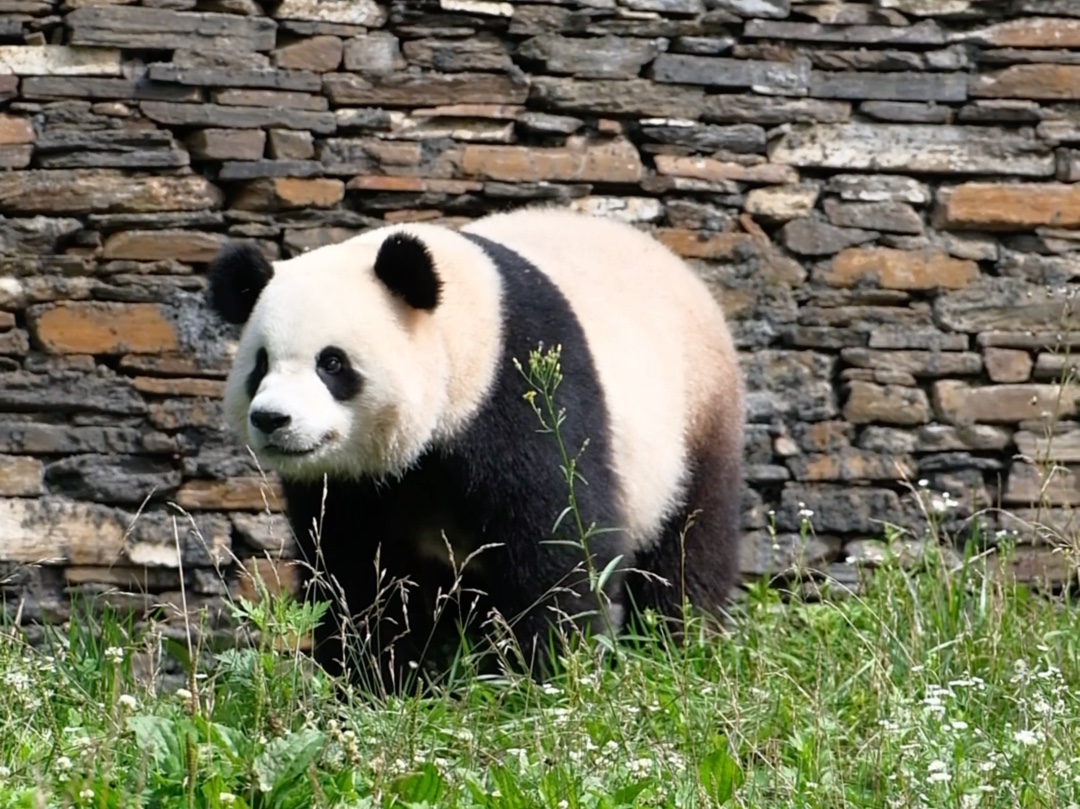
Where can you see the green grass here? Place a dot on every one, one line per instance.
(931, 688)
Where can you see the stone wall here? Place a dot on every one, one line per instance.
(881, 193)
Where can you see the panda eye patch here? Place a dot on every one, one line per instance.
(255, 378)
(337, 373)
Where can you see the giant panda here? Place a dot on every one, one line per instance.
(383, 379)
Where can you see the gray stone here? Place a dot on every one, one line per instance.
(740, 138)
(702, 46)
(137, 89)
(115, 148)
(867, 60)
(21, 392)
(253, 169)
(36, 234)
(216, 115)
(377, 53)
(774, 78)
(924, 33)
(791, 384)
(111, 479)
(592, 58)
(231, 76)
(638, 97)
(1007, 304)
(840, 509)
(879, 188)
(768, 9)
(893, 217)
(890, 86)
(549, 124)
(812, 237)
(161, 29)
(770, 110)
(906, 112)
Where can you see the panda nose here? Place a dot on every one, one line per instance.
(267, 421)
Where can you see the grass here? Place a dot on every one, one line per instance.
(941, 684)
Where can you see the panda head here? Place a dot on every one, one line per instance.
(344, 366)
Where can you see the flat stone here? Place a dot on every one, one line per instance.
(1039, 448)
(484, 53)
(68, 393)
(839, 508)
(639, 97)
(256, 169)
(1006, 110)
(56, 531)
(378, 54)
(866, 60)
(915, 149)
(233, 77)
(1042, 82)
(906, 112)
(767, 9)
(901, 86)
(59, 60)
(288, 144)
(432, 89)
(103, 191)
(110, 479)
(111, 148)
(879, 188)
(931, 8)
(189, 246)
(163, 29)
(1062, 8)
(285, 193)
(915, 362)
(870, 403)
(812, 237)
(852, 14)
(771, 110)
(690, 244)
(612, 161)
(20, 476)
(795, 384)
(1031, 485)
(782, 202)
(961, 437)
(774, 78)
(238, 494)
(707, 168)
(592, 58)
(899, 269)
(957, 402)
(367, 13)
(102, 328)
(227, 144)
(318, 54)
(739, 138)
(924, 33)
(1008, 206)
(851, 464)
(1032, 32)
(218, 115)
(1007, 364)
(891, 217)
(46, 88)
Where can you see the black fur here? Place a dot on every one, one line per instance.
(237, 277)
(336, 372)
(498, 482)
(405, 265)
(255, 378)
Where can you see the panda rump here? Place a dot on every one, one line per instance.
(379, 377)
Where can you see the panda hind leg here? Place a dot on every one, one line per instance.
(696, 556)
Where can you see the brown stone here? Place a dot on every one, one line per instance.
(695, 244)
(869, 403)
(211, 388)
(20, 476)
(1032, 32)
(1042, 82)
(102, 328)
(1039, 448)
(175, 414)
(900, 269)
(959, 403)
(270, 98)
(614, 161)
(1034, 485)
(15, 130)
(1007, 364)
(281, 193)
(190, 246)
(288, 144)
(782, 202)
(419, 185)
(103, 191)
(429, 89)
(707, 168)
(165, 29)
(1008, 206)
(226, 144)
(7, 320)
(175, 365)
(319, 54)
(260, 577)
(852, 465)
(239, 494)
(16, 157)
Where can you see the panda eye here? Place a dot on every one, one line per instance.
(331, 361)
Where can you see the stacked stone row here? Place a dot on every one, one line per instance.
(882, 195)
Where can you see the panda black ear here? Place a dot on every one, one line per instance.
(237, 277)
(405, 265)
